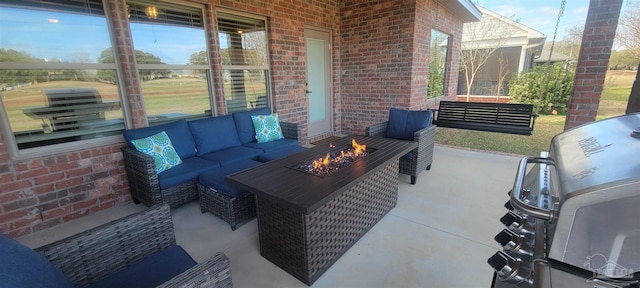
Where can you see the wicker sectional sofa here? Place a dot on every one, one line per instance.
(212, 145)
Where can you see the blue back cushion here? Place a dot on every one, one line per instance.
(178, 132)
(403, 123)
(20, 266)
(214, 134)
(244, 124)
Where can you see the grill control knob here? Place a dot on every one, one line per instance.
(515, 222)
(513, 243)
(508, 268)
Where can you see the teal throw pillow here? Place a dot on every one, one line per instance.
(160, 148)
(267, 127)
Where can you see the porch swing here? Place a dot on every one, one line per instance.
(510, 118)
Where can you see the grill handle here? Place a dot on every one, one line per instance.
(516, 202)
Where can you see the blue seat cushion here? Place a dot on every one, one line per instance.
(178, 132)
(244, 124)
(272, 145)
(266, 157)
(20, 266)
(216, 178)
(404, 123)
(233, 154)
(214, 134)
(151, 271)
(185, 172)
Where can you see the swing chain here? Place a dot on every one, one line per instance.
(548, 62)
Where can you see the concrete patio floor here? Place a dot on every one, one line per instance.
(440, 234)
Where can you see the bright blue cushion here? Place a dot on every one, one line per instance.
(185, 172)
(20, 266)
(404, 123)
(214, 134)
(159, 147)
(286, 151)
(151, 271)
(267, 127)
(178, 132)
(216, 178)
(244, 124)
(272, 145)
(233, 154)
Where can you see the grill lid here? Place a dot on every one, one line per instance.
(598, 153)
(597, 182)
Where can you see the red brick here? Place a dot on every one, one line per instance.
(55, 213)
(16, 185)
(48, 178)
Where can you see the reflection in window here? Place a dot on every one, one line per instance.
(243, 48)
(170, 49)
(437, 64)
(55, 85)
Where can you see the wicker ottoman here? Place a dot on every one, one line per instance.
(218, 197)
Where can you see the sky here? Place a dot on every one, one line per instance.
(541, 15)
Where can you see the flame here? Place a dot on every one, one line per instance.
(358, 149)
(324, 162)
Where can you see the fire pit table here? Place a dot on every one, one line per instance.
(307, 222)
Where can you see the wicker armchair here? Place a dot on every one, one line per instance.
(98, 253)
(420, 159)
(144, 184)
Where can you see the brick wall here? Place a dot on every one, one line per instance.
(597, 40)
(42, 192)
(380, 58)
(385, 58)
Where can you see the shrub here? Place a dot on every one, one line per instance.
(557, 86)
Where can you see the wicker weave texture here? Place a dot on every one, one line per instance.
(233, 210)
(422, 157)
(290, 130)
(215, 272)
(144, 184)
(307, 245)
(97, 253)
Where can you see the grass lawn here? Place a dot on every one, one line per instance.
(613, 102)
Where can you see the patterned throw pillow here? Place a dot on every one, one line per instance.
(267, 127)
(160, 148)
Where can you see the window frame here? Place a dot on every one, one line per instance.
(445, 63)
(266, 68)
(206, 67)
(46, 150)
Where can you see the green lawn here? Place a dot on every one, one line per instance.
(613, 102)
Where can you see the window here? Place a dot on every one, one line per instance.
(245, 64)
(56, 84)
(173, 63)
(437, 64)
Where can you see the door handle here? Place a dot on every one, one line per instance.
(307, 91)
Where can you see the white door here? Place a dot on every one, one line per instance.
(319, 92)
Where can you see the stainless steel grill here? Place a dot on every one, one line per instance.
(573, 217)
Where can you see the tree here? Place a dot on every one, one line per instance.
(625, 60)
(628, 33)
(480, 40)
(198, 58)
(555, 84)
(570, 44)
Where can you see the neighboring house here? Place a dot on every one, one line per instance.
(513, 47)
(556, 57)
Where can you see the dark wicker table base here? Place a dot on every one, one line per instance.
(307, 245)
